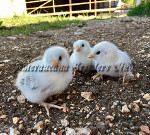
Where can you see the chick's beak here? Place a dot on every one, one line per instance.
(78, 48)
(54, 63)
(91, 55)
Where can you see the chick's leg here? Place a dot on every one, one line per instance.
(48, 106)
(75, 72)
(127, 76)
(99, 76)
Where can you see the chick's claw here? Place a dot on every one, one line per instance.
(75, 72)
(48, 106)
(128, 77)
(98, 76)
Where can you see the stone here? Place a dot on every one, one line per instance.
(3, 116)
(60, 132)
(84, 131)
(87, 95)
(147, 96)
(44, 34)
(21, 126)
(38, 126)
(137, 101)
(14, 131)
(47, 121)
(33, 133)
(126, 19)
(15, 120)
(11, 98)
(109, 117)
(65, 108)
(21, 99)
(103, 108)
(61, 44)
(78, 33)
(53, 133)
(125, 109)
(70, 131)
(134, 107)
(64, 123)
(12, 38)
(5, 61)
(145, 129)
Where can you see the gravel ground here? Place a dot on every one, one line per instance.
(114, 108)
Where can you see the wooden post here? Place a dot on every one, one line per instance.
(70, 8)
(90, 5)
(53, 6)
(109, 6)
(95, 7)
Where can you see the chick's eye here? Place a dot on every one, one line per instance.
(60, 58)
(98, 52)
(82, 45)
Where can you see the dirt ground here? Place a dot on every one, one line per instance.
(109, 96)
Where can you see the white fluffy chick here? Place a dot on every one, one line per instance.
(109, 60)
(79, 59)
(46, 77)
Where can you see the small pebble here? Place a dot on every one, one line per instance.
(103, 108)
(70, 131)
(21, 126)
(21, 99)
(64, 123)
(125, 109)
(109, 117)
(147, 96)
(3, 116)
(134, 107)
(87, 95)
(14, 131)
(38, 126)
(84, 131)
(15, 120)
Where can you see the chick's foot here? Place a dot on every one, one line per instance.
(127, 77)
(98, 76)
(48, 106)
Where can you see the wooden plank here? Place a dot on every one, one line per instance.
(109, 6)
(76, 12)
(53, 6)
(70, 8)
(95, 7)
(40, 6)
(35, 1)
(90, 5)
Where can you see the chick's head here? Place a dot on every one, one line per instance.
(82, 46)
(104, 51)
(56, 57)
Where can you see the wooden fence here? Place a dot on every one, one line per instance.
(91, 4)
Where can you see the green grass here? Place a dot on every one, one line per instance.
(130, 2)
(29, 24)
(140, 10)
